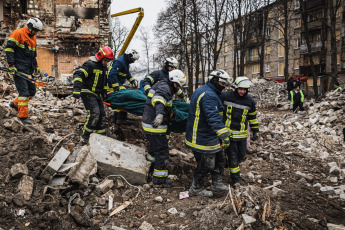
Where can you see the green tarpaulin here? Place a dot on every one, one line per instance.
(133, 101)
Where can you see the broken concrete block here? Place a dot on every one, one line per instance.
(335, 227)
(309, 178)
(248, 219)
(104, 186)
(26, 186)
(55, 164)
(86, 167)
(328, 190)
(146, 226)
(117, 158)
(18, 170)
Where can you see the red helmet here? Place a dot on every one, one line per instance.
(105, 52)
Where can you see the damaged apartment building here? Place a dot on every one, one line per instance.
(73, 30)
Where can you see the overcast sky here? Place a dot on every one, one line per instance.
(151, 10)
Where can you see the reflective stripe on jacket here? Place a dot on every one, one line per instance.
(296, 97)
(204, 124)
(119, 72)
(159, 101)
(21, 51)
(90, 78)
(239, 111)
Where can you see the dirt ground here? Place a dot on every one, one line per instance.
(295, 204)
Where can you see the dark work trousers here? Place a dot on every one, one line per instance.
(159, 150)
(213, 163)
(96, 116)
(235, 154)
(297, 105)
(24, 87)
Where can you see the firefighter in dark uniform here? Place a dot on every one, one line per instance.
(170, 64)
(90, 83)
(239, 110)
(21, 57)
(206, 134)
(118, 74)
(155, 120)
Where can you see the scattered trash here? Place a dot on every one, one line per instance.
(184, 195)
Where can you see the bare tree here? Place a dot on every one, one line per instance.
(144, 37)
(119, 35)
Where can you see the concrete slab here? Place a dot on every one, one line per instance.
(120, 158)
(55, 164)
(87, 166)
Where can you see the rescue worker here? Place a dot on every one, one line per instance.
(21, 57)
(170, 64)
(290, 86)
(90, 83)
(206, 134)
(337, 87)
(118, 74)
(239, 109)
(297, 99)
(155, 120)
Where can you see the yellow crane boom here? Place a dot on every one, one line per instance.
(134, 28)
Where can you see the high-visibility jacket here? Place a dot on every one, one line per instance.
(157, 76)
(205, 125)
(119, 72)
(296, 97)
(159, 101)
(238, 112)
(90, 78)
(21, 51)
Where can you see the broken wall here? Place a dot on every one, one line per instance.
(73, 30)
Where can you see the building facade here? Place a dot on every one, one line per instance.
(73, 30)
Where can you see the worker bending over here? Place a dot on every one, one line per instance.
(239, 110)
(206, 134)
(170, 64)
(21, 57)
(90, 83)
(118, 74)
(157, 112)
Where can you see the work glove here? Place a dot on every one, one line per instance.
(225, 143)
(76, 95)
(12, 70)
(104, 95)
(157, 121)
(147, 91)
(255, 136)
(134, 85)
(184, 99)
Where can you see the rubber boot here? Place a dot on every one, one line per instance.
(25, 120)
(165, 183)
(13, 106)
(85, 139)
(218, 186)
(198, 190)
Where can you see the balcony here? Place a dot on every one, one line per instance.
(252, 59)
(306, 70)
(314, 3)
(315, 47)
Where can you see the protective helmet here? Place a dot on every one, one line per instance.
(221, 75)
(171, 61)
(177, 76)
(134, 54)
(243, 82)
(34, 23)
(105, 52)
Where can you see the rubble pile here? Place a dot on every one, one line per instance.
(269, 94)
(49, 179)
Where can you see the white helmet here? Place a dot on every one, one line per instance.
(221, 74)
(243, 82)
(177, 76)
(171, 61)
(135, 54)
(34, 23)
